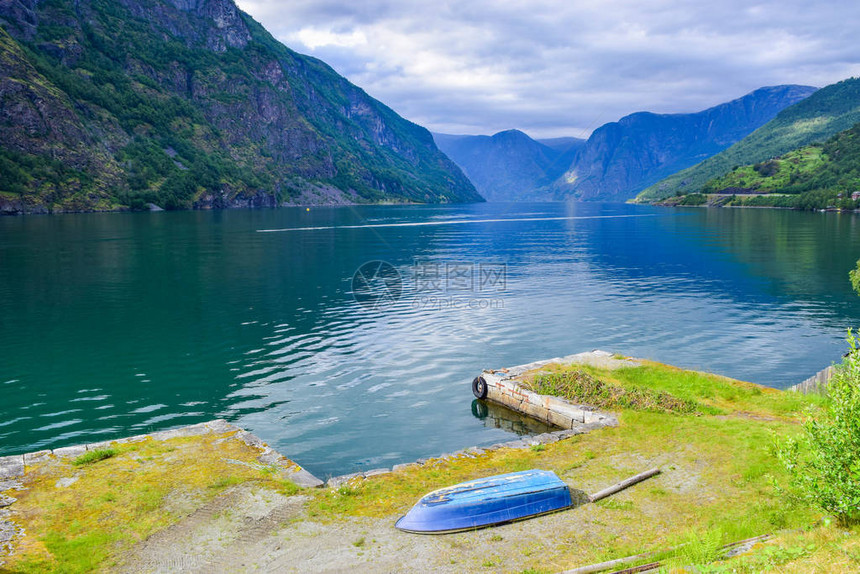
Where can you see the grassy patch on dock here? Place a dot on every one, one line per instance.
(579, 386)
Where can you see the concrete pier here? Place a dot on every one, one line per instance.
(503, 387)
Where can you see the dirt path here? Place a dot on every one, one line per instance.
(216, 536)
(256, 530)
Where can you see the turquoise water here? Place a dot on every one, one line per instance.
(117, 324)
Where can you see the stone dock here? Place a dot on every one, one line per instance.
(504, 386)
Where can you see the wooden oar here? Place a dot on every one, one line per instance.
(618, 487)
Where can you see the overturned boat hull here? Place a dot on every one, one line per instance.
(487, 502)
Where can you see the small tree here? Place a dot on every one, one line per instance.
(827, 472)
(854, 276)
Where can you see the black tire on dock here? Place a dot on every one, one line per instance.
(479, 387)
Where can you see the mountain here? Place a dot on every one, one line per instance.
(624, 157)
(828, 111)
(815, 176)
(191, 103)
(561, 145)
(509, 165)
(567, 148)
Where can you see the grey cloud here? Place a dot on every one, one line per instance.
(555, 68)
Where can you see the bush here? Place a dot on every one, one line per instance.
(826, 471)
(854, 276)
(768, 168)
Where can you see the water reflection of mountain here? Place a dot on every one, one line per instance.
(754, 256)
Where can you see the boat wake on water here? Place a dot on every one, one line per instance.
(456, 222)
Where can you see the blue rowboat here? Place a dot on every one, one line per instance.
(487, 502)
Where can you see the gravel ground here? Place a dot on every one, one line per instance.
(252, 530)
(249, 529)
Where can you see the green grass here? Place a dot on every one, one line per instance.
(123, 498)
(813, 548)
(696, 547)
(614, 504)
(82, 552)
(721, 393)
(95, 456)
(225, 481)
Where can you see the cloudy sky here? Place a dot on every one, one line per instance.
(564, 67)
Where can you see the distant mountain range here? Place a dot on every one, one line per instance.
(509, 166)
(191, 104)
(828, 111)
(620, 158)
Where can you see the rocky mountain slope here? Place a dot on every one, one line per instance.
(508, 166)
(624, 157)
(828, 111)
(191, 103)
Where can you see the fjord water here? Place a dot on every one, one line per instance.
(119, 324)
